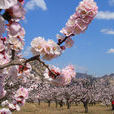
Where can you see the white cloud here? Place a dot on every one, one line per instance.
(108, 31)
(111, 2)
(107, 15)
(32, 4)
(110, 50)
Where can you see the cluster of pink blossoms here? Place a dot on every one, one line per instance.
(15, 31)
(60, 77)
(79, 21)
(19, 100)
(47, 49)
(15, 36)
(5, 111)
(21, 95)
(14, 12)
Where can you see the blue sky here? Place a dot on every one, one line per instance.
(93, 51)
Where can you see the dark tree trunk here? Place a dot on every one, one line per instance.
(94, 103)
(56, 103)
(85, 106)
(112, 106)
(68, 104)
(49, 103)
(38, 102)
(61, 103)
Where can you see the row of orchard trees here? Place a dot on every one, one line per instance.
(85, 91)
(82, 90)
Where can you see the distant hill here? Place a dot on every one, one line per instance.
(109, 77)
(38, 70)
(83, 75)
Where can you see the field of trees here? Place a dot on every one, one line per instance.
(44, 109)
(90, 95)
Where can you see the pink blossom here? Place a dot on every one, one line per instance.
(16, 43)
(17, 11)
(5, 103)
(62, 77)
(11, 106)
(52, 50)
(79, 21)
(14, 28)
(69, 43)
(5, 111)
(22, 92)
(38, 44)
(5, 4)
(17, 107)
(69, 70)
(47, 49)
(24, 71)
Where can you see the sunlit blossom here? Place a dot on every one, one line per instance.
(17, 11)
(80, 20)
(5, 111)
(47, 49)
(60, 77)
(5, 4)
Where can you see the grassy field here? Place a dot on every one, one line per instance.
(44, 109)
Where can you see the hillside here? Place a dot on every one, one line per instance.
(38, 70)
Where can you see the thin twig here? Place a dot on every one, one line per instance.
(18, 62)
(47, 67)
(66, 37)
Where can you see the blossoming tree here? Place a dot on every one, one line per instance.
(12, 64)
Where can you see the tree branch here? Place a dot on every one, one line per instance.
(17, 62)
(47, 67)
(12, 63)
(24, 62)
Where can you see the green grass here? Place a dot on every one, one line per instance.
(44, 109)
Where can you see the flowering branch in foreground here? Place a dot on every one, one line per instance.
(14, 66)
(24, 62)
